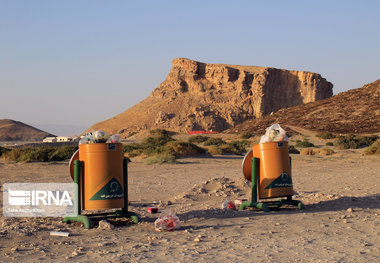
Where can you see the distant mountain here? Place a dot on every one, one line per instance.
(354, 111)
(11, 130)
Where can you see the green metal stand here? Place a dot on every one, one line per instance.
(265, 206)
(87, 219)
(254, 177)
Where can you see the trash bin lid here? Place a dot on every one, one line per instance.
(71, 163)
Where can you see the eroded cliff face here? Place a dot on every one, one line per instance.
(200, 96)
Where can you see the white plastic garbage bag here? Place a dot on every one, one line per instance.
(274, 133)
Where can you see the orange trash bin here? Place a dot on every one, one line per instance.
(102, 186)
(275, 178)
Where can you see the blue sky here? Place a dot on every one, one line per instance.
(74, 63)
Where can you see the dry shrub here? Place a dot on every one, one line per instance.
(307, 151)
(214, 150)
(161, 158)
(326, 135)
(179, 149)
(198, 138)
(325, 151)
(373, 149)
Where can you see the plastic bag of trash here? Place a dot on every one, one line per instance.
(86, 139)
(274, 133)
(167, 221)
(100, 136)
(114, 138)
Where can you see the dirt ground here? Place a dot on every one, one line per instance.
(340, 223)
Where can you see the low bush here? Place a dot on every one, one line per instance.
(214, 141)
(161, 145)
(233, 147)
(133, 149)
(326, 135)
(246, 135)
(324, 151)
(214, 150)
(4, 150)
(159, 132)
(161, 158)
(41, 154)
(329, 144)
(236, 147)
(355, 142)
(198, 138)
(374, 148)
(303, 144)
(179, 149)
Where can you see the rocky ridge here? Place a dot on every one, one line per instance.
(200, 96)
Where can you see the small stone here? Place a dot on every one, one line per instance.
(14, 249)
(104, 224)
(350, 210)
(277, 224)
(197, 239)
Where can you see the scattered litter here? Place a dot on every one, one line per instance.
(274, 133)
(228, 205)
(152, 210)
(167, 221)
(59, 234)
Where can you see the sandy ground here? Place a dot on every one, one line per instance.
(341, 221)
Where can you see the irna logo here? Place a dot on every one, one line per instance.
(38, 197)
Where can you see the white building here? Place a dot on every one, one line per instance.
(61, 139)
(50, 139)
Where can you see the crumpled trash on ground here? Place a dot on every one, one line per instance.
(228, 205)
(274, 133)
(99, 137)
(167, 221)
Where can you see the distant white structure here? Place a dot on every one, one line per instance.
(61, 139)
(50, 139)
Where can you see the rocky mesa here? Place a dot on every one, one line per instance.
(200, 96)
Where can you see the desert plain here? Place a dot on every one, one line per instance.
(340, 222)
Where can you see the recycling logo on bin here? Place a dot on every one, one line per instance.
(112, 190)
(283, 180)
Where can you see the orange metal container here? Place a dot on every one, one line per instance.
(102, 176)
(275, 173)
